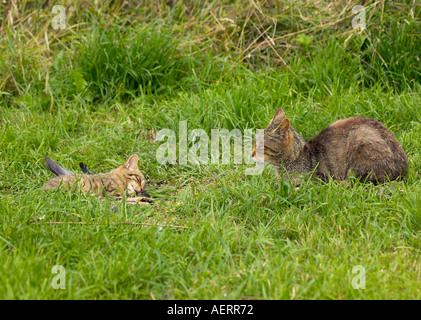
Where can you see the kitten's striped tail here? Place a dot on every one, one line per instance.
(84, 168)
(56, 169)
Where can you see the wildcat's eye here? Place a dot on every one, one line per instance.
(135, 178)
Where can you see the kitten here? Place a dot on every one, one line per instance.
(359, 145)
(114, 183)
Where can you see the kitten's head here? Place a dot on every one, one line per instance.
(275, 142)
(133, 179)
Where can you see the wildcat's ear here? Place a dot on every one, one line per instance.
(283, 126)
(279, 116)
(132, 162)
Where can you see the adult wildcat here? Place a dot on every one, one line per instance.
(359, 145)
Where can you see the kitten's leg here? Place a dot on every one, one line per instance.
(140, 200)
(135, 200)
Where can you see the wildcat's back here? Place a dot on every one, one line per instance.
(359, 145)
(111, 183)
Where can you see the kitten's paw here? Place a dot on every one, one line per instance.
(139, 200)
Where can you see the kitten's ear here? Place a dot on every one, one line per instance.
(283, 126)
(132, 162)
(279, 116)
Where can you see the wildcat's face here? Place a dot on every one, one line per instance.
(133, 180)
(275, 141)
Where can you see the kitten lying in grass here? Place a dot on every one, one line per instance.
(113, 183)
(359, 145)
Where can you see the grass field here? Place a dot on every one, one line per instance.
(100, 90)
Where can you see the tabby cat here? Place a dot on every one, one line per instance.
(359, 145)
(114, 183)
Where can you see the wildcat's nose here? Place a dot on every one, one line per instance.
(253, 153)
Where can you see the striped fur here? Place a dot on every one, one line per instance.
(359, 146)
(114, 183)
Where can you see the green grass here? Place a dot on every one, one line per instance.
(101, 89)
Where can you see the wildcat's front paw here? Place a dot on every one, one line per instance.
(139, 200)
